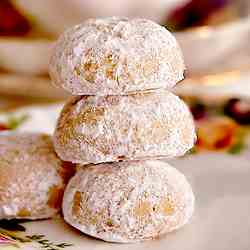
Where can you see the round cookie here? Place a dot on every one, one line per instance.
(32, 177)
(115, 56)
(95, 129)
(128, 201)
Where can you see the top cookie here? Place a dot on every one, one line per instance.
(116, 56)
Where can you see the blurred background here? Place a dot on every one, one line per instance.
(214, 36)
(215, 39)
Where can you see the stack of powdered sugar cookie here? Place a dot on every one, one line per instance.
(121, 119)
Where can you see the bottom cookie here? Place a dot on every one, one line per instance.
(128, 201)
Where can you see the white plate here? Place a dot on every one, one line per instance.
(25, 56)
(205, 49)
(215, 49)
(217, 86)
(221, 220)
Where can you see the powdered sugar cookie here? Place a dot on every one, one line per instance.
(128, 201)
(94, 129)
(32, 177)
(115, 56)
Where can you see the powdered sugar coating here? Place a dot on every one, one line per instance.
(128, 201)
(32, 177)
(115, 56)
(94, 129)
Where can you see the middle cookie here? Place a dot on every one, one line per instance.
(95, 129)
